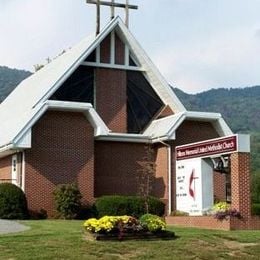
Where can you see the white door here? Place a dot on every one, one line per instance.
(14, 169)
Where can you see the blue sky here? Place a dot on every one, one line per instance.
(196, 44)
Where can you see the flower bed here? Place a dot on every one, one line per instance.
(126, 227)
(223, 211)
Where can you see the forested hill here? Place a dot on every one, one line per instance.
(9, 79)
(239, 106)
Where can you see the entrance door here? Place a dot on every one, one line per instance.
(14, 169)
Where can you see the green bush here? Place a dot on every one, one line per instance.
(256, 209)
(152, 223)
(67, 200)
(13, 204)
(127, 205)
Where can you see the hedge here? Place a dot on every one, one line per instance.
(13, 204)
(127, 205)
(256, 209)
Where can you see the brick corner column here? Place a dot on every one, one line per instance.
(240, 183)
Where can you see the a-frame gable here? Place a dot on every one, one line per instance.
(113, 52)
(16, 111)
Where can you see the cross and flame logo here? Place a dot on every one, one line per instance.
(192, 190)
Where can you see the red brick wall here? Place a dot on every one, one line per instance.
(111, 98)
(219, 181)
(161, 160)
(116, 167)
(207, 222)
(194, 131)
(116, 163)
(62, 152)
(119, 51)
(6, 169)
(105, 50)
(240, 183)
(166, 111)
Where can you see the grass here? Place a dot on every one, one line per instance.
(57, 239)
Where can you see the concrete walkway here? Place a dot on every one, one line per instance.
(11, 226)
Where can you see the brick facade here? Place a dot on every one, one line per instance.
(105, 50)
(240, 183)
(6, 169)
(116, 166)
(161, 184)
(116, 163)
(111, 98)
(116, 169)
(209, 222)
(62, 152)
(219, 181)
(119, 51)
(206, 222)
(166, 111)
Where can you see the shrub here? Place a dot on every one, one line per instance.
(111, 224)
(152, 223)
(13, 204)
(127, 205)
(67, 199)
(222, 210)
(256, 209)
(221, 206)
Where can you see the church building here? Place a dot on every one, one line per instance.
(87, 117)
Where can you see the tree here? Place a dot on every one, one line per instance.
(146, 175)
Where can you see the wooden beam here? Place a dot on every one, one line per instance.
(111, 66)
(113, 4)
(112, 10)
(98, 17)
(127, 13)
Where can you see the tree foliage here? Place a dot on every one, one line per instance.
(146, 174)
(67, 200)
(9, 79)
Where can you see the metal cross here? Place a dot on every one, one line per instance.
(112, 5)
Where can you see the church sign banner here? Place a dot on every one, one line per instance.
(194, 171)
(207, 148)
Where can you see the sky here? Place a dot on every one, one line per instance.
(196, 44)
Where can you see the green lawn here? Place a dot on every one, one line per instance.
(56, 239)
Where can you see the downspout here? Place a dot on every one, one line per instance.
(23, 171)
(169, 175)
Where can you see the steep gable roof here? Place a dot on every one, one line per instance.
(20, 106)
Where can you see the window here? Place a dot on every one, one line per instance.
(142, 102)
(79, 87)
(91, 57)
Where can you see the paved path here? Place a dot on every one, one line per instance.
(11, 226)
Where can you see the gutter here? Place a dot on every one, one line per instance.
(6, 147)
(132, 138)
